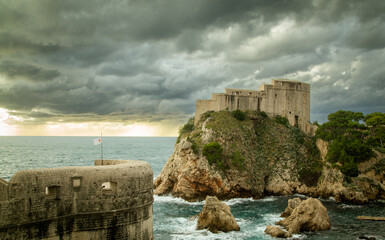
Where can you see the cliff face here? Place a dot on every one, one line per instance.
(261, 156)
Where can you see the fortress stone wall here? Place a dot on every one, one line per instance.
(287, 98)
(111, 200)
(3, 190)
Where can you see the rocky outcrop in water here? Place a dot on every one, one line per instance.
(260, 156)
(291, 205)
(216, 216)
(309, 215)
(277, 232)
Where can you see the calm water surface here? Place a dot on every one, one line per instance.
(172, 215)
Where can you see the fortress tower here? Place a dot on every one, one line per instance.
(287, 98)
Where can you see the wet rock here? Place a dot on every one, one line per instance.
(293, 203)
(310, 215)
(277, 232)
(216, 216)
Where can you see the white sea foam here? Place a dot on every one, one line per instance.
(350, 206)
(330, 199)
(271, 218)
(171, 199)
(300, 195)
(205, 234)
(267, 199)
(235, 201)
(299, 236)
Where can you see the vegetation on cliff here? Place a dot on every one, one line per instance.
(247, 151)
(352, 136)
(248, 154)
(250, 139)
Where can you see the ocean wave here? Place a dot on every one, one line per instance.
(267, 199)
(205, 234)
(271, 218)
(330, 199)
(171, 199)
(230, 202)
(350, 206)
(300, 195)
(235, 201)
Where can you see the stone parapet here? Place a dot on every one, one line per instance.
(112, 200)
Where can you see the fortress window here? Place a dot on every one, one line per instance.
(276, 95)
(52, 192)
(109, 187)
(76, 182)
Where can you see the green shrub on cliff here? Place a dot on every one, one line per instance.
(350, 169)
(188, 127)
(263, 114)
(237, 159)
(239, 115)
(213, 152)
(281, 120)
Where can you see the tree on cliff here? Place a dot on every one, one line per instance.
(376, 123)
(351, 139)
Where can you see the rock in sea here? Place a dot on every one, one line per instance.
(277, 232)
(216, 216)
(310, 215)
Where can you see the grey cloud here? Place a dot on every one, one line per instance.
(150, 60)
(370, 35)
(17, 43)
(27, 71)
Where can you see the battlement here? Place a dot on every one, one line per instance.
(111, 200)
(287, 98)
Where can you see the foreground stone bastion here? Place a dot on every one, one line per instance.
(111, 200)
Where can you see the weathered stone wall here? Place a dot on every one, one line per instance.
(3, 190)
(290, 99)
(112, 200)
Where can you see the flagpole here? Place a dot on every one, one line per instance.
(101, 146)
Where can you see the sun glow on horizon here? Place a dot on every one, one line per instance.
(85, 128)
(5, 128)
(13, 124)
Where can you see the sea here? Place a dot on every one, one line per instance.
(174, 217)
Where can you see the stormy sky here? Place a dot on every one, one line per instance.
(137, 67)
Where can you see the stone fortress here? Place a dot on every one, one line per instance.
(111, 200)
(287, 98)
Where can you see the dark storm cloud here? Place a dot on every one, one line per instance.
(30, 72)
(150, 60)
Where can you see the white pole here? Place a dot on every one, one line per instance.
(101, 146)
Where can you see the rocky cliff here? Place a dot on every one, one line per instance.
(256, 156)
